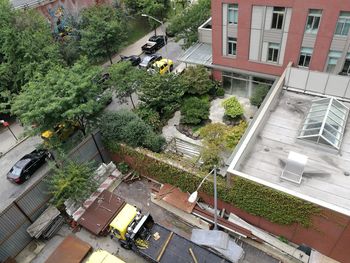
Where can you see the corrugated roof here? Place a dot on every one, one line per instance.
(200, 54)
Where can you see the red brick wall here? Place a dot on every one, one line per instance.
(300, 9)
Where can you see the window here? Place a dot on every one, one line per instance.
(325, 122)
(232, 46)
(232, 14)
(305, 57)
(273, 50)
(343, 24)
(277, 17)
(313, 21)
(346, 67)
(333, 57)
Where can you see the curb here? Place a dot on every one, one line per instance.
(14, 146)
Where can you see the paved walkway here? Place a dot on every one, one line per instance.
(7, 140)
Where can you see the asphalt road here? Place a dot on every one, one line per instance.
(8, 190)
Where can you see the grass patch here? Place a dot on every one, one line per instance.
(138, 27)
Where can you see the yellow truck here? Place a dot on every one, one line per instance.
(154, 242)
(102, 256)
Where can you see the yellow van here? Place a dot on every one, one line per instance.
(163, 66)
(63, 131)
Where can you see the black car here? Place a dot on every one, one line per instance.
(135, 60)
(149, 60)
(27, 166)
(154, 43)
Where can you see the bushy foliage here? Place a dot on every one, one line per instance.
(163, 93)
(220, 92)
(194, 110)
(150, 116)
(232, 107)
(217, 138)
(259, 95)
(102, 31)
(196, 80)
(126, 127)
(234, 134)
(72, 181)
(185, 24)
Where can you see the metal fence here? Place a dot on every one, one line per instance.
(19, 215)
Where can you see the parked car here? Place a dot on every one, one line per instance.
(27, 166)
(149, 60)
(154, 43)
(63, 131)
(135, 60)
(163, 66)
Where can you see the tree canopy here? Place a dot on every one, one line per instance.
(196, 80)
(102, 32)
(26, 49)
(63, 94)
(185, 24)
(163, 93)
(125, 79)
(72, 181)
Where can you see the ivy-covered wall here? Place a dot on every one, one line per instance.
(256, 199)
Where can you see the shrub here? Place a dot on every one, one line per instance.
(259, 95)
(235, 133)
(195, 110)
(220, 92)
(123, 167)
(197, 80)
(126, 127)
(214, 133)
(150, 116)
(210, 155)
(232, 107)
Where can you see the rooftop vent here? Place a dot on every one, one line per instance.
(294, 169)
(325, 122)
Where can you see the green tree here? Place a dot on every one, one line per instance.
(185, 24)
(126, 127)
(26, 49)
(102, 32)
(259, 95)
(163, 93)
(72, 181)
(232, 107)
(157, 9)
(195, 110)
(125, 79)
(196, 80)
(64, 94)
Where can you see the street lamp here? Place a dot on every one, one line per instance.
(164, 36)
(193, 197)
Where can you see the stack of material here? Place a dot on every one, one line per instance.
(47, 224)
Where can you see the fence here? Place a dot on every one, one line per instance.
(19, 215)
(318, 83)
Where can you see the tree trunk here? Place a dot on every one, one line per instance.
(155, 30)
(132, 101)
(110, 58)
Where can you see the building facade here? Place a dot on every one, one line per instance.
(253, 40)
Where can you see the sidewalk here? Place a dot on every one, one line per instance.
(135, 48)
(7, 140)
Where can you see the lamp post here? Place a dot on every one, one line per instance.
(6, 124)
(164, 36)
(194, 195)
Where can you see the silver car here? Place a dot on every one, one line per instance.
(147, 61)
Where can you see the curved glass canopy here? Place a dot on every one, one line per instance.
(325, 122)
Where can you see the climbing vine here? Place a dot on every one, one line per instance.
(254, 198)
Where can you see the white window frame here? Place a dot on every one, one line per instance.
(333, 56)
(279, 14)
(232, 8)
(275, 47)
(314, 15)
(347, 61)
(231, 41)
(343, 20)
(305, 52)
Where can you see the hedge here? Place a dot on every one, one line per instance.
(256, 199)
